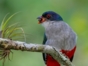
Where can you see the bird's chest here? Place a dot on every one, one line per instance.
(52, 33)
(54, 37)
(49, 34)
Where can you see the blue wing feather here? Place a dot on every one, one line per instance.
(44, 41)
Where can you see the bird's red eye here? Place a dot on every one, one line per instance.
(48, 16)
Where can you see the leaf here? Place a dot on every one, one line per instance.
(5, 22)
(6, 30)
(19, 28)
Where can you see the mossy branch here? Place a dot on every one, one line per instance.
(17, 45)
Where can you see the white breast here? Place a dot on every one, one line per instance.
(45, 24)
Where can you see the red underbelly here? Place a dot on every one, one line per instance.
(52, 62)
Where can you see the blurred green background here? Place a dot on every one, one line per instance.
(74, 12)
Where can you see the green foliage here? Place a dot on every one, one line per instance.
(9, 32)
(12, 30)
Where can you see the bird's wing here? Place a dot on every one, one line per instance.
(44, 41)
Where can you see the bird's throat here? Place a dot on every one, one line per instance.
(45, 24)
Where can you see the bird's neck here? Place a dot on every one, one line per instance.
(47, 24)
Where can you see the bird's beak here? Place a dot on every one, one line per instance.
(39, 17)
(40, 20)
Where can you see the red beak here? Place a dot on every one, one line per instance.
(40, 20)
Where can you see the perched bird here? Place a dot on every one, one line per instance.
(58, 34)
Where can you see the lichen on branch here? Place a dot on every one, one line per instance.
(18, 45)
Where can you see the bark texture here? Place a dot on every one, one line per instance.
(18, 45)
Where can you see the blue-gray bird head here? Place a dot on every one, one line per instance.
(49, 16)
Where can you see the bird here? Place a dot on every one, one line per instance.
(59, 35)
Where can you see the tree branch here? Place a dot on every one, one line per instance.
(17, 45)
